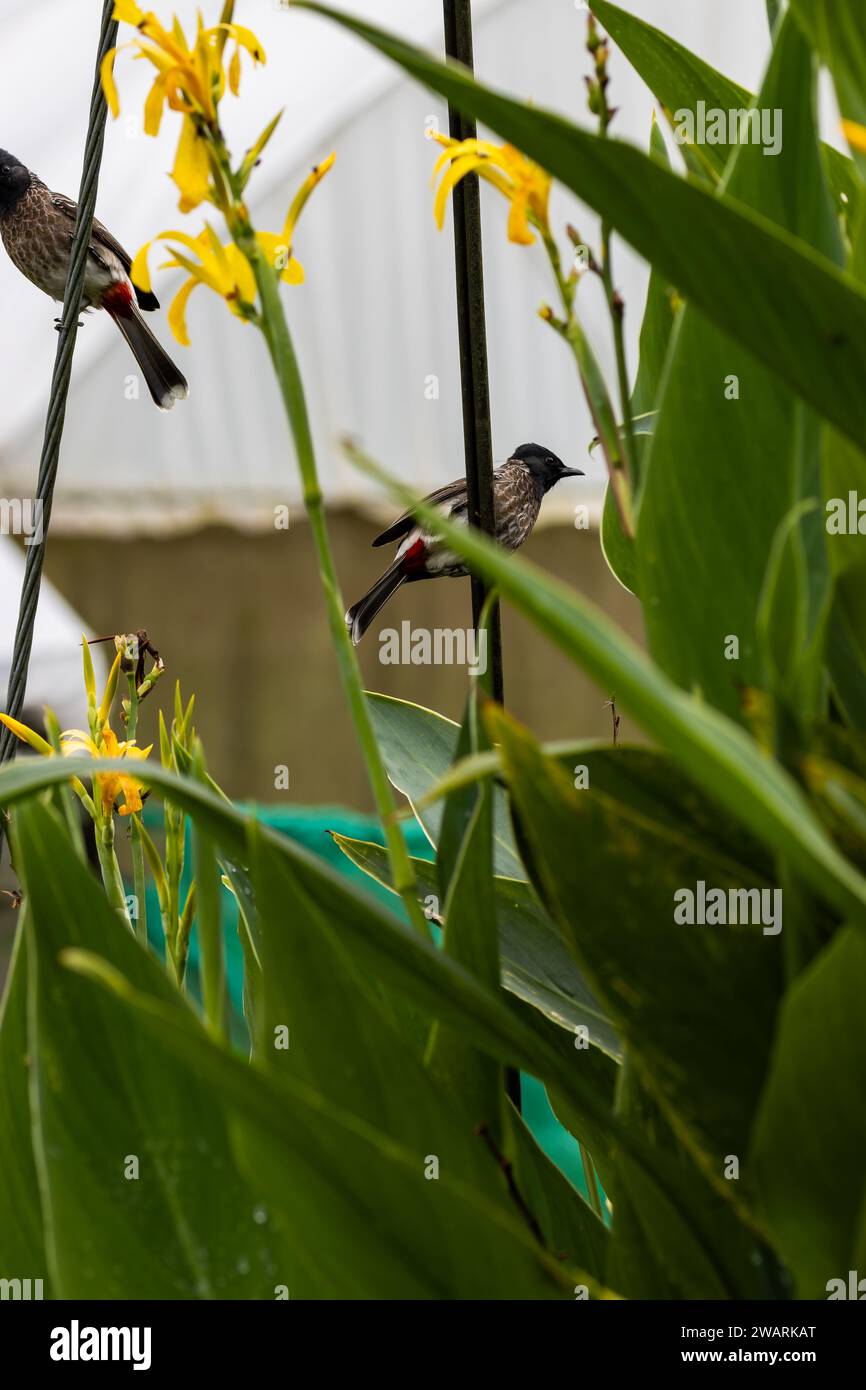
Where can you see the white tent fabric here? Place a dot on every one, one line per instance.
(54, 676)
(375, 322)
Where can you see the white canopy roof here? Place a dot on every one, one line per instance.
(375, 320)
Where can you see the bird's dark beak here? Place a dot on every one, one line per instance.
(572, 473)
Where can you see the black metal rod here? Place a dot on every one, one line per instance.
(472, 330)
(474, 376)
(59, 391)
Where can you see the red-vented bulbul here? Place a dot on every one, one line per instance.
(518, 487)
(37, 225)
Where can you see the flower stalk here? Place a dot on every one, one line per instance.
(281, 348)
(191, 79)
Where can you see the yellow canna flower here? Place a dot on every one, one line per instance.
(190, 79)
(855, 134)
(225, 269)
(111, 784)
(278, 248)
(28, 736)
(525, 184)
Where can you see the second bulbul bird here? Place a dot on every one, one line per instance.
(37, 226)
(518, 488)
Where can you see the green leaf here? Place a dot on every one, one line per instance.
(655, 335)
(712, 750)
(721, 409)
(791, 640)
(22, 1238)
(365, 1059)
(567, 1223)
(105, 1092)
(471, 938)
(418, 746)
(790, 306)
(535, 963)
(610, 877)
(811, 1134)
(680, 81)
(324, 1173)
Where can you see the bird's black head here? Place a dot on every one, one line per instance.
(14, 180)
(544, 465)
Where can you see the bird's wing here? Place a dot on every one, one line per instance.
(101, 238)
(455, 493)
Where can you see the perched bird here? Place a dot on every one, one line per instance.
(37, 225)
(518, 487)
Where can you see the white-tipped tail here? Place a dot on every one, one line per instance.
(362, 613)
(165, 382)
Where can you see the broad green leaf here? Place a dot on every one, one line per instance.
(790, 636)
(787, 304)
(845, 491)
(535, 963)
(363, 1219)
(713, 751)
(846, 651)
(359, 1059)
(418, 746)
(458, 809)
(731, 450)
(309, 974)
(612, 879)
(107, 1096)
(471, 938)
(22, 1238)
(566, 1221)
(810, 1136)
(386, 947)
(397, 955)
(680, 81)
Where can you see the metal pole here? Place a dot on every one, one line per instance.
(59, 391)
(474, 378)
(472, 328)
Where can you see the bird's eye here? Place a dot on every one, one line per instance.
(6, 169)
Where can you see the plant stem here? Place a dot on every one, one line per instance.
(276, 332)
(114, 888)
(594, 386)
(139, 882)
(615, 306)
(135, 828)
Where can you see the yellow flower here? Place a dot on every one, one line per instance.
(278, 247)
(225, 269)
(855, 134)
(190, 79)
(525, 184)
(111, 784)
